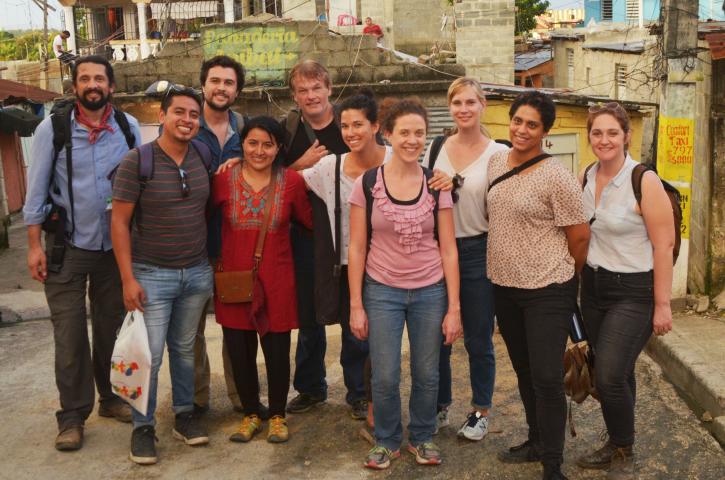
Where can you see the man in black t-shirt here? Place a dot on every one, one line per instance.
(314, 132)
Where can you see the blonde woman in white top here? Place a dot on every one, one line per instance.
(627, 280)
(464, 156)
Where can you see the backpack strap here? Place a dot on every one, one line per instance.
(435, 149)
(205, 154)
(338, 215)
(368, 182)
(586, 172)
(241, 121)
(145, 164)
(637, 173)
(123, 124)
(436, 195)
(519, 169)
(291, 122)
(62, 139)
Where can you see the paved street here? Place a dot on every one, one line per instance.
(324, 443)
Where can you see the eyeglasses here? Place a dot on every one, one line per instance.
(185, 187)
(605, 106)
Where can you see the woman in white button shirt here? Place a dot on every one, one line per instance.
(626, 283)
(464, 156)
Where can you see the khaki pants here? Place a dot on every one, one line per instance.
(202, 376)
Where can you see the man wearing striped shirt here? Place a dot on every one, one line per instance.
(163, 260)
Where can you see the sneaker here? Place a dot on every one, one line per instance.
(303, 402)
(441, 419)
(278, 432)
(426, 453)
(359, 410)
(599, 459)
(250, 425)
(143, 446)
(188, 428)
(121, 411)
(475, 427)
(524, 453)
(379, 457)
(69, 439)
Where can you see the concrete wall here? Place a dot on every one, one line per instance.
(594, 69)
(717, 222)
(485, 39)
(417, 24)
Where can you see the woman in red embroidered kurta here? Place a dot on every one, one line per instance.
(241, 193)
(242, 213)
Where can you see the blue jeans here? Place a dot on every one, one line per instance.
(175, 298)
(477, 317)
(389, 310)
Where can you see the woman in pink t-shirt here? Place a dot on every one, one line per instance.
(411, 278)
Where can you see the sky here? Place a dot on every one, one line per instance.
(24, 14)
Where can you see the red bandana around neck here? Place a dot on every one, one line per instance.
(94, 130)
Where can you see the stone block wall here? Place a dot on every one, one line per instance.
(485, 39)
(268, 52)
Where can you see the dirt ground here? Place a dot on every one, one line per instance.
(324, 443)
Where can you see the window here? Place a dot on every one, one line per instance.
(570, 68)
(632, 10)
(607, 10)
(620, 81)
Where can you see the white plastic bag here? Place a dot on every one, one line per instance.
(131, 362)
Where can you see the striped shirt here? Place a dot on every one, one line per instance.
(168, 228)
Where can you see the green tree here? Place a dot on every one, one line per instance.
(526, 11)
(7, 46)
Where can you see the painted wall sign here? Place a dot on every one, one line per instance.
(675, 156)
(265, 51)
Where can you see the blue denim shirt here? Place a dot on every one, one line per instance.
(232, 148)
(91, 187)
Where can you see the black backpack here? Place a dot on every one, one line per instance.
(368, 182)
(672, 193)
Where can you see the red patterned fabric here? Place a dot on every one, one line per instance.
(94, 130)
(242, 213)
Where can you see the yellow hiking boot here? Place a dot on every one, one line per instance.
(250, 425)
(278, 432)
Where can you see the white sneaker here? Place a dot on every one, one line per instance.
(441, 420)
(475, 427)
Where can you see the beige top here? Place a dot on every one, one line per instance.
(527, 246)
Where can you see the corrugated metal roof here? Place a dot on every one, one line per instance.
(13, 92)
(528, 60)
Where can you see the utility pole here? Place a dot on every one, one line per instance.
(676, 132)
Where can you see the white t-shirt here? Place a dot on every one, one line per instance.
(320, 178)
(469, 213)
(58, 45)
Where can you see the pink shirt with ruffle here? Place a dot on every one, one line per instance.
(403, 250)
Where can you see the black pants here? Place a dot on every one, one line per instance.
(617, 310)
(242, 350)
(78, 366)
(535, 324)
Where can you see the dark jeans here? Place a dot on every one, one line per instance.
(477, 317)
(77, 365)
(310, 370)
(242, 349)
(617, 310)
(535, 324)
